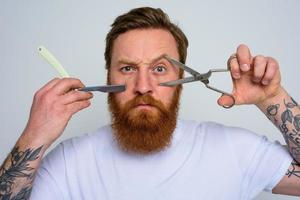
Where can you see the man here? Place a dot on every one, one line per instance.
(147, 153)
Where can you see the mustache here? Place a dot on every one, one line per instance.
(145, 99)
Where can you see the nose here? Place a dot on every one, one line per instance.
(143, 83)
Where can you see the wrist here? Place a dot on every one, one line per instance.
(30, 139)
(275, 98)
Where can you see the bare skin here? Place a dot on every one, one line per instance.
(260, 77)
(53, 106)
(57, 101)
(134, 59)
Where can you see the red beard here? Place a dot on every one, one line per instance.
(144, 131)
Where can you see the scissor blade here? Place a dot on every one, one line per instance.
(181, 65)
(105, 88)
(178, 82)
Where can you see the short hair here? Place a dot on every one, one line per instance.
(145, 18)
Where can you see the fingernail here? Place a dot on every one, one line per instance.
(245, 67)
(264, 82)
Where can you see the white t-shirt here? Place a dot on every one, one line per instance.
(205, 161)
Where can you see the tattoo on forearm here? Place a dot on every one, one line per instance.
(292, 170)
(273, 109)
(288, 123)
(18, 169)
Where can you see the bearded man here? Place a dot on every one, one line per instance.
(146, 152)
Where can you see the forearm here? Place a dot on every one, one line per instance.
(51, 110)
(284, 112)
(18, 170)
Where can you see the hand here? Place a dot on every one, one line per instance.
(52, 108)
(255, 79)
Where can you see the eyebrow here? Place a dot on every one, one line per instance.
(130, 62)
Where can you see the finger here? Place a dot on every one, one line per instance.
(66, 84)
(74, 96)
(259, 67)
(225, 101)
(244, 57)
(48, 85)
(272, 67)
(77, 106)
(234, 67)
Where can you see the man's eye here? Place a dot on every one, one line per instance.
(127, 69)
(160, 69)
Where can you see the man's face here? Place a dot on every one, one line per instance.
(144, 116)
(134, 61)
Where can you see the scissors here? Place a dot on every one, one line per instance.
(196, 76)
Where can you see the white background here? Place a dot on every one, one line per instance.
(75, 31)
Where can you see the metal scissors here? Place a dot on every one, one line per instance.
(196, 76)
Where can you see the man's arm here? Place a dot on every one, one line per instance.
(257, 80)
(18, 170)
(52, 108)
(284, 112)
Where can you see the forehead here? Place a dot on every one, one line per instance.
(144, 45)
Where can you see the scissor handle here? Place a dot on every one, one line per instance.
(223, 93)
(218, 90)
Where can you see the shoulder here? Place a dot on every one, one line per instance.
(101, 136)
(237, 140)
(218, 130)
(77, 147)
(198, 127)
(232, 134)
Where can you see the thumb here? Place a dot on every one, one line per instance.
(226, 101)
